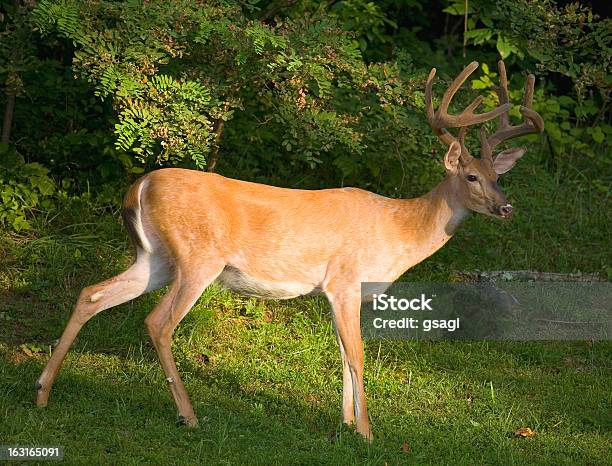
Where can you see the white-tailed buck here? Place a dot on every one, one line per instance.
(192, 228)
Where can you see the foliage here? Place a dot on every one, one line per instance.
(24, 187)
(483, 18)
(367, 20)
(306, 94)
(570, 40)
(171, 112)
(174, 72)
(162, 117)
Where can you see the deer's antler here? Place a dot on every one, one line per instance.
(532, 121)
(440, 120)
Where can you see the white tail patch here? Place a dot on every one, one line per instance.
(146, 244)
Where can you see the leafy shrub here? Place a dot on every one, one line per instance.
(290, 92)
(295, 94)
(24, 188)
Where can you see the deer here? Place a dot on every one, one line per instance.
(192, 228)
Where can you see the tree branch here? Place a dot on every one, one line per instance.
(218, 130)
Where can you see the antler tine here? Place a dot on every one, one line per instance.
(526, 110)
(485, 149)
(528, 95)
(444, 135)
(465, 153)
(532, 121)
(502, 92)
(428, 95)
(455, 85)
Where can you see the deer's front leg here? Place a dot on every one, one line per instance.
(348, 406)
(346, 311)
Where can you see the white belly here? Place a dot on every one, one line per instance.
(236, 280)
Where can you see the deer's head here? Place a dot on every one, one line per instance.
(474, 180)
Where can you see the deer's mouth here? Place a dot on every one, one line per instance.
(503, 211)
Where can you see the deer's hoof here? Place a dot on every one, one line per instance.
(367, 434)
(190, 422)
(42, 398)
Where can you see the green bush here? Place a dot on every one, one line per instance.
(304, 94)
(24, 189)
(296, 94)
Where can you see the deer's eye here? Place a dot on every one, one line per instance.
(472, 178)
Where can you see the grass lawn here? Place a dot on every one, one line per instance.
(265, 376)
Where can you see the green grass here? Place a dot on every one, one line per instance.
(265, 377)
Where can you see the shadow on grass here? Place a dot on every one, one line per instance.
(123, 417)
(93, 412)
(98, 417)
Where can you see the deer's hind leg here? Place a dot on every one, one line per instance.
(148, 272)
(189, 284)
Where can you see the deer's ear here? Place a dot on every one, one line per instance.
(506, 159)
(451, 159)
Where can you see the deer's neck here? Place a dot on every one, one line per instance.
(429, 221)
(446, 209)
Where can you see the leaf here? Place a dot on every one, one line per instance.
(503, 46)
(487, 21)
(478, 84)
(405, 447)
(598, 135)
(566, 101)
(44, 185)
(30, 349)
(458, 8)
(20, 223)
(524, 432)
(479, 36)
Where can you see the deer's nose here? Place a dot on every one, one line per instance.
(505, 210)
